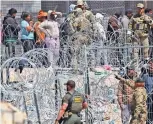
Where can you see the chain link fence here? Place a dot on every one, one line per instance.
(37, 88)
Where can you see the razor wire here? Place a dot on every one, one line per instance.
(42, 79)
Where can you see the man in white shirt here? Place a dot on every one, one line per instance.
(126, 19)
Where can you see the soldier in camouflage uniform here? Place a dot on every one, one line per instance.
(82, 27)
(141, 24)
(88, 14)
(125, 95)
(70, 20)
(139, 107)
(72, 104)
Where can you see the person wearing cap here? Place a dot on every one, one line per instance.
(51, 30)
(141, 24)
(72, 104)
(40, 36)
(139, 107)
(125, 94)
(126, 19)
(80, 4)
(148, 78)
(82, 28)
(88, 14)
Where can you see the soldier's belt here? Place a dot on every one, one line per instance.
(76, 113)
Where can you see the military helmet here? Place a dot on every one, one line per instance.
(139, 80)
(140, 5)
(80, 2)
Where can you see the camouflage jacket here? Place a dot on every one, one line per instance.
(82, 24)
(139, 107)
(89, 15)
(125, 93)
(141, 24)
(139, 103)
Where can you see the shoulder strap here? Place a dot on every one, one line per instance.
(70, 101)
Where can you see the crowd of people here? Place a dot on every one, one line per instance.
(47, 31)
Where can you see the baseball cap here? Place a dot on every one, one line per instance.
(70, 83)
(140, 5)
(80, 2)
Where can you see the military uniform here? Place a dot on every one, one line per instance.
(74, 108)
(139, 107)
(89, 15)
(80, 22)
(141, 25)
(70, 20)
(82, 25)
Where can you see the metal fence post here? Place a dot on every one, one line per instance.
(86, 80)
(37, 109)
(56, 92)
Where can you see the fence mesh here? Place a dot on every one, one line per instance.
(33, 81)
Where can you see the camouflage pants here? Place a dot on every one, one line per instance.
(145, 43)
(137, 121)
(142, 117)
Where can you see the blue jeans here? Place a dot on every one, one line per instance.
(126, 113)
(27, 44)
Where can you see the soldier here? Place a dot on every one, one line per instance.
(139, 107)
(72, 104)
(141, 24)
(88, 14)
(80, 4)
(125, 95)
(80, 22)
(68, 26)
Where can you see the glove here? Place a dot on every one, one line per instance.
(117, 77)
(56, 122)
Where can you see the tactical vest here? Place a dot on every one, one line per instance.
(75, 103)
(140, 27)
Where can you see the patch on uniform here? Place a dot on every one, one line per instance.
(77, 99)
